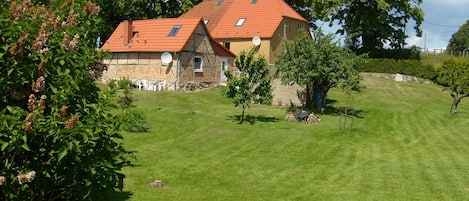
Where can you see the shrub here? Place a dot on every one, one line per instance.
(58, 138)
(133, 120)
(398, 54)
(124, 83)
(112, 86)
(126, 100)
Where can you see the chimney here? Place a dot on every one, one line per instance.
(128, 31)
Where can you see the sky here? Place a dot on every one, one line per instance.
(442, 19)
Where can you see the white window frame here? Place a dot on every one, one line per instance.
(240, 22)
(201, 67)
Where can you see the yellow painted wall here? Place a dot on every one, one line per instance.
(270, 47)
(282, 33)
(238, 45)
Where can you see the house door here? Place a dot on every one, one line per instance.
(223, 68)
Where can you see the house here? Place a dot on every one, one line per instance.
(244, 24)
(176, 51)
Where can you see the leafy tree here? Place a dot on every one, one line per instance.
(369, 24)
(58, 139)
(454, 74)
(318, 65)
(115, 11)
(459, 42)
(254, 84)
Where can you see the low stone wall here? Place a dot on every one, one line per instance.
(195, 86)
(398, 77)
(285, 95)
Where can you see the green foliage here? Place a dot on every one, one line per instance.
(371, 24)
(126, 100)
(318, 65)
(412, 53)
(459, 42)
(254, 84)
(407, 67)
(124, 83)
(454, 74)
(58, 138)
(133, 120)
(112, 86)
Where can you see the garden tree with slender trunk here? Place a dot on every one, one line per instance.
(115, 11)
(459, 42)
(454, 74)
(252, 85)
(369, 24)
(318, 65)
(58, 140)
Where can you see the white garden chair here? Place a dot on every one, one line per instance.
(162, 85)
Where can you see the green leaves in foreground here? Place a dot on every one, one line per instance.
(59, 140)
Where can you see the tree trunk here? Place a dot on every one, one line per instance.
(309, 96)
(456, 100)
(242, 115)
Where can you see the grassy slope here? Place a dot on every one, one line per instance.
(404, 147)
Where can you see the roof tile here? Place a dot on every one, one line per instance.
(262, 18)
(152, 35)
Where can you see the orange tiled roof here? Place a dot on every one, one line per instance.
(152, 36)
(262, 18)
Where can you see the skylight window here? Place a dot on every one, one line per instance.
(206, 21)
(219, 2)
(253, 1)
(240, 22)
(175, 30)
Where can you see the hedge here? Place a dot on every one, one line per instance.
(392, 66)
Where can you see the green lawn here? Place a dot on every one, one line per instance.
(403, 147)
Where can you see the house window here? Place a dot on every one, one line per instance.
(175, 30)
(219, 2)
(253, 1)
(287, 26)
(198, 63)
(240, 22)
(206, 21)
(299, 27)
(227, 45)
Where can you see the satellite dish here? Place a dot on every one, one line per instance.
(256, 40)
(166, 58)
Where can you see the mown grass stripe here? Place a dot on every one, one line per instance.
(403, 147)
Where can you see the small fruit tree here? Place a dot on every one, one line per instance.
(57, 138)
(454, 75)
(253, 85)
